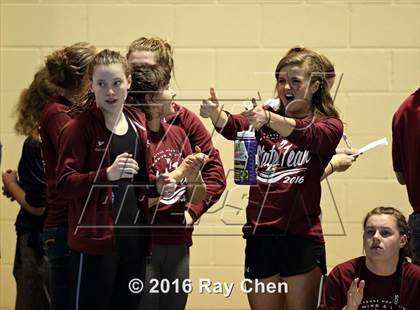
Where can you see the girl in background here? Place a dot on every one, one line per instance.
(170, 151)
(284, 239)
(383, 278)
(155, 50)
(28, 188)
(42, 108)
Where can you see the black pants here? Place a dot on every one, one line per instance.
(414, 224)
(31, 274)
(101, 282)
(58, 253)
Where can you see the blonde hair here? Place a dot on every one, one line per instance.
(159, 47)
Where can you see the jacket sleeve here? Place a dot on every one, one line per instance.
(332, 293)
(152, 188)
(152, 179)
(33, 179)
(234, 124)
(73, 179)
(213, 173)
(54, 123)
(396, 161)
(321, 137)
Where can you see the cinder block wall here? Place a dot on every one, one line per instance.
(234, 45)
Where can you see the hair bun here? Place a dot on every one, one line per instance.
(56, 64)
(61, 71)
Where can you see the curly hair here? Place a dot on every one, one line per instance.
(32, 101)
(63, 75)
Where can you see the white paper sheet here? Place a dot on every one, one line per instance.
(371, 145)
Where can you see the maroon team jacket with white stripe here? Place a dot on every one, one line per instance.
(82, 179)
(167, 149)
(213, 173)
(288, 190)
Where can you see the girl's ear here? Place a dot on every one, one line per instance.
(403, 241)
(129, 81)
(90, 86)
(148, 98)
(315, 87)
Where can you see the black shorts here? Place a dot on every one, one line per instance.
(284, 254)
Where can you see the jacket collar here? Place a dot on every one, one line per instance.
(136, 116)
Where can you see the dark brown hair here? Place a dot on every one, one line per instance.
(67, 67)
(147, 80)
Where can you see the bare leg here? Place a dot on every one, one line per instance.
(303, 290)
(266, 301)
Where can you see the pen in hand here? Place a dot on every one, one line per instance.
(346, 140)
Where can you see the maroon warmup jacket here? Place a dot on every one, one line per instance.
(54, 117)
(82, 180)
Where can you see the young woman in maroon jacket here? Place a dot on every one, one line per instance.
(170, 153)
(406, 160)
(295, 144)
(383, 279)
(103, 176)
(42, 112)
(155, 50)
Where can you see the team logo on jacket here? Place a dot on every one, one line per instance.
(289, 176)
(178, 195)
(282, 162)
(166, 161)
(100, 146)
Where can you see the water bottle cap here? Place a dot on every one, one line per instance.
(273, 103)
(246, 134)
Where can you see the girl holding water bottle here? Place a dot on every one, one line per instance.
(296, 141)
